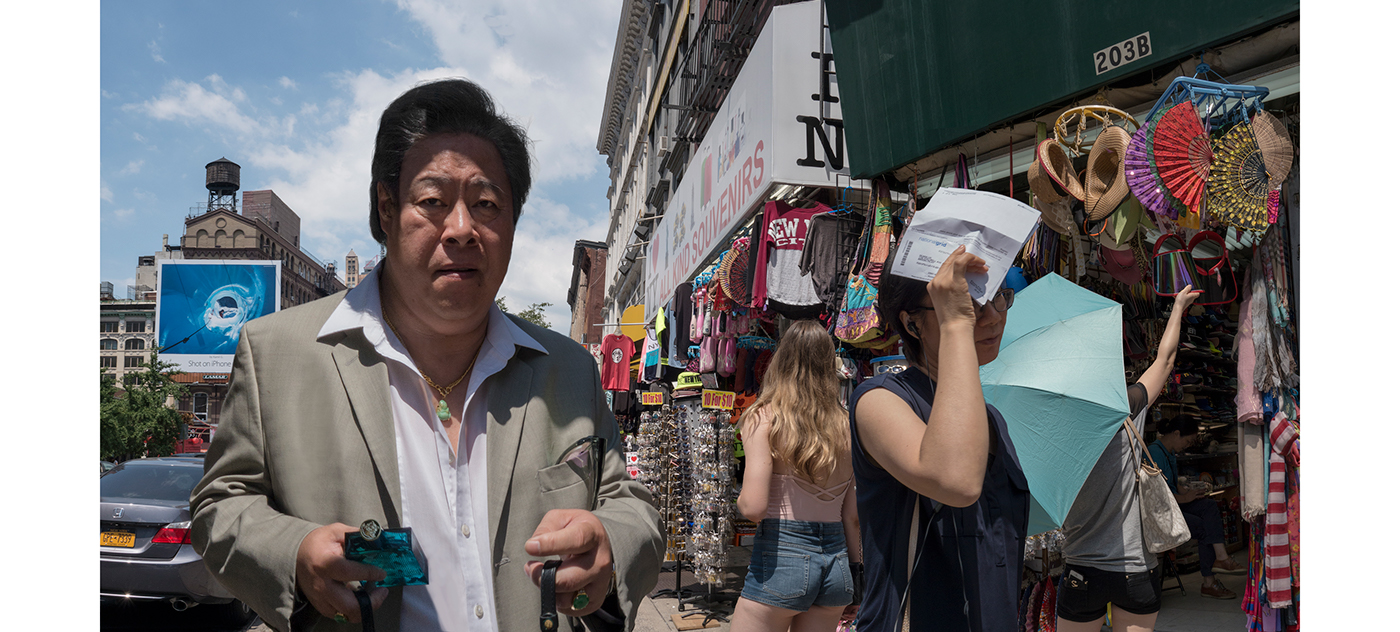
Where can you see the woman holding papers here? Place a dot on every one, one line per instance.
(943, 503)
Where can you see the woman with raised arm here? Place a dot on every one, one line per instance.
(943, 502)
(797, 480)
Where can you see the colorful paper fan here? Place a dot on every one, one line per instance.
(1238, 193)
(1174, 208)
(1182, 154)
(1137, 166)
(1273, 141)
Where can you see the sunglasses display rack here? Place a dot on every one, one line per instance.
(711, 466)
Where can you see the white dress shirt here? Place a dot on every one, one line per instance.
(444, 495)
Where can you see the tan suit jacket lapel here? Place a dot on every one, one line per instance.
(366, 380)
(505, 421)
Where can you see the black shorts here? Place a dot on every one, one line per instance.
(1084, 593)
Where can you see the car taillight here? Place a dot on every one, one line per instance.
(173, 533)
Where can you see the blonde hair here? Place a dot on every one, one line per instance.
(801, 392)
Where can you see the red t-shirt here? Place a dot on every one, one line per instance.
(617, 362)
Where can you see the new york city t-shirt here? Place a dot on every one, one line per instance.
(617, 362)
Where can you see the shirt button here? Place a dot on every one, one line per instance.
(479, 612)
(466, 531)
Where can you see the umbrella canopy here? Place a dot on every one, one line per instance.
(1059, 383)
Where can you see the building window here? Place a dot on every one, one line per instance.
(201, 406)
(132, 380)
(109, 362)
(109, 326)
(109, 344)
(135, 344)
(136, 326)
(133, 362)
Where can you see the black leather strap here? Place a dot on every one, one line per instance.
(549, 617)
(366, 609)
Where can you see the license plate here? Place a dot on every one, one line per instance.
(118, 538)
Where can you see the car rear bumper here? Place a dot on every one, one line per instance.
(183, 576)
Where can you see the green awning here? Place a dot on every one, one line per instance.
(919, 75)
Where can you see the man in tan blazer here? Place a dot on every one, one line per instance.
(413, 401)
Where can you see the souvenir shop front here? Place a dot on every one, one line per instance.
(1172, 159)
(765, 229)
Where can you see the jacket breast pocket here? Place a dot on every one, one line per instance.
(562, 486)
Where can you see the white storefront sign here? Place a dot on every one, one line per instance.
(780, 124)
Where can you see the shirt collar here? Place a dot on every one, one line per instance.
(361, 309)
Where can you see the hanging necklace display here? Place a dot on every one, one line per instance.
(443, 412)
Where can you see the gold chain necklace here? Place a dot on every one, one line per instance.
(443, 412)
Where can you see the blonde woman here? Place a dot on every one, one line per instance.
(797, 487)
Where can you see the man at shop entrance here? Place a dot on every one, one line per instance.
(413, 401)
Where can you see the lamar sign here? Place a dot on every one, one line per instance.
(780, 124)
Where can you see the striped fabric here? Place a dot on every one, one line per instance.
(1278, 571)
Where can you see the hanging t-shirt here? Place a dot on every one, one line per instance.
(779, 279)
(617, 362)
(651, 358)
(832, 241)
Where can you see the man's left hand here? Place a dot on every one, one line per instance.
(578, 538)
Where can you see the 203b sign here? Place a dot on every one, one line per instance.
(1124, 52)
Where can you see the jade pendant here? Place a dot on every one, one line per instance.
(443, 413)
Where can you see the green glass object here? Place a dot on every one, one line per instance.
(443, 413)
(392, 551)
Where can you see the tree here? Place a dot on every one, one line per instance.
(137, 421)
(534, 313)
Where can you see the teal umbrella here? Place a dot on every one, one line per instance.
(1058, 381)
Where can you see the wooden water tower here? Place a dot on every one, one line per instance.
(221, 178)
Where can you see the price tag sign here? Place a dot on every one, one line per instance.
(1124, 52)
(722, 400)
(650, 398)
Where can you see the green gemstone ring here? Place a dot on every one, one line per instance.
(340, 618)
(580, 601)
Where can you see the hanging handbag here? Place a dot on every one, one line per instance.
(859, 320)
(1163, 526)
(1217, 279)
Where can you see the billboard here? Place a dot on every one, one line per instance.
(201, 306)
(779, 124)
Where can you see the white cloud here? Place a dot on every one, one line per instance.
(191, 103)
(106, 193)
(286, 82)
(123, 213)
(155, 51)
(546, 63)
(131, 168)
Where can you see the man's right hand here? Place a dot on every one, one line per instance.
(323, 571)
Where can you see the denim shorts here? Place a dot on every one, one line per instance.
(798, 564)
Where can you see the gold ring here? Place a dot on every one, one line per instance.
(580, 601)
(340, 618)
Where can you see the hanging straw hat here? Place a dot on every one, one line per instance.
(1053, 207)
(1056, 164)
(1274, 143)
(732, 270)
(1104, 182)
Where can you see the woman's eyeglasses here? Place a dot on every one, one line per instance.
(1001, 301)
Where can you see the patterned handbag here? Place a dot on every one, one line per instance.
(859, 321)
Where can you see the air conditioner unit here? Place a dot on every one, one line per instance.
(663, 145)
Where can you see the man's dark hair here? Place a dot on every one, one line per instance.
(447, 106)
(899, 294)
(1187, 426)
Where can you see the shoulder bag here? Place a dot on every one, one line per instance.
(1163, 526)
